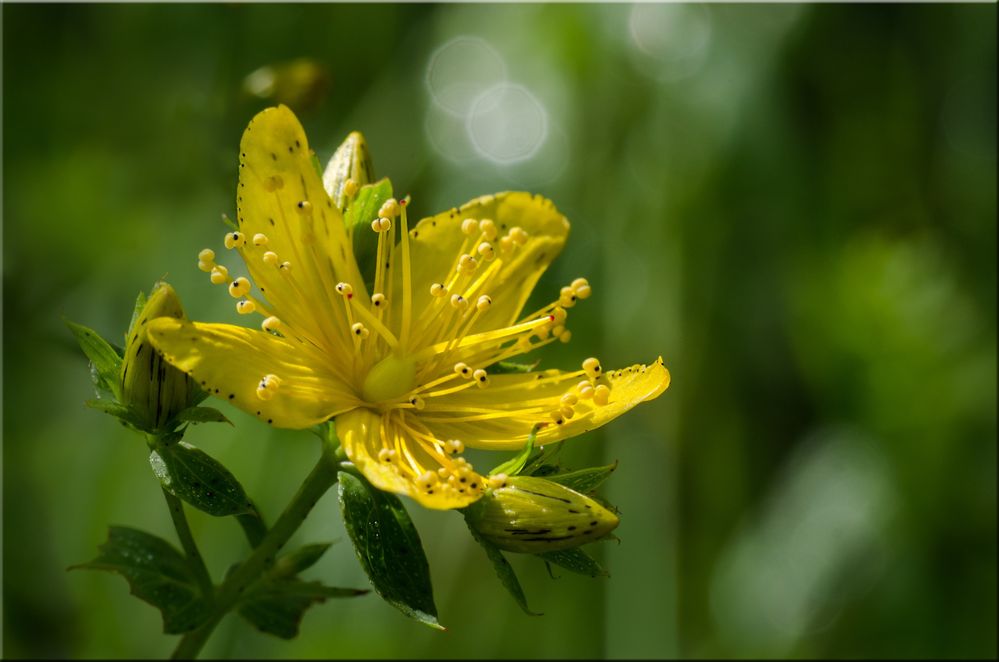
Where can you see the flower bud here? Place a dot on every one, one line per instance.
(533, 515)
(151, 387)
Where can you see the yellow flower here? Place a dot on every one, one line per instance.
(401, 368)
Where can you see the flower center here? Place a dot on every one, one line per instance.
(389, 379)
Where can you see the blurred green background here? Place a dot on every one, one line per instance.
(794, 205)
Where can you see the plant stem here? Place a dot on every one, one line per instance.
(322, 478)
(176, 508)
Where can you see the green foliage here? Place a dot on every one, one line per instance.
(575, 560)
(583, 480)
(511, 367)
(358, 216)
(194, 476)
(504, 571)
(202, 415)
(105, 361)
(516, 464)
(388, 547)
(277, 606)
(156, 573)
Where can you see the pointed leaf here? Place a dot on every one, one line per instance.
(156, 573)
(543, 463)
(116, 409)
(277, 607)
(584, 480)
(388, 547)
(202, 415)
(352, 160)
(140, 303)
(298, 560)
(516, 464)
(505, 573)
(104, 360)
(575, 560)
(199, 479)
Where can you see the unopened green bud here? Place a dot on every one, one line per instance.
(151, 387)
(532, 515)
(348, 170)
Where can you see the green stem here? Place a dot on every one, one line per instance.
(322, 478)
(176, 508)
(253, 527)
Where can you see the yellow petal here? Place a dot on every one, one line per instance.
(501, 415)
(230, 361)
(368, 437)
(281, 196)
(436, 243)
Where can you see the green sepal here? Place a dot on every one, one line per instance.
(140, 303)
(388, 547)
(105, 362)
(199, 479)
(277, 606)
(156, 573)
(298, 560)
(202, 415)
(575, 560)
(511, 367)
(351, 160)
(505, 572)
(584, 480)
(516, 464)
(357, 218)
(118, 410)
(543, 463)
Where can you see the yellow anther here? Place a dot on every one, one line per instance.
(386, 455)
(567, 412)
(304, 207)
(239, 287)
(481, 378)
(469, 226)
(245, 307)
(438, 290)
(260, 239)
(219, 274)
(581, 285)
(497, 481)
(267, 386)
(458, 302)
(505, 244)
(466, 264)
(601, 395)
(565, 336)
(560, 315)
(350, 188)
(486, 250)
(382, 224)
(592, 367)
(463, 369)
(271, 324)
(271, 259)
(345, 289)
(272, 380)
(285, 266)
(234, 240)
(488, 229)
(378, 300)
(417, 402)
(483, 303)
(454, 446)
(360, 330)
(585, 390)
(557, 417)
(206, 266)
(567, 297)
(389, 208)
(569, 399)
(207, 256)
(558, 330)
(518, 235)
(264, 393)
(427, 480)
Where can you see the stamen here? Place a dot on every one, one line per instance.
(382, 224)
(582, 288)
(407, 284)
(268, 386)
(389, 208)
(350, 188)
(234, 240)
(565, 336)
(488, 228)
(219, 275)
(518, 235)
(506, 245)
(359, 330)
(245, 307)
(483, 303)
(592, 367)
(454, 446)
(481, 378)
(569, 399)
(458, 302)
(345, 289)
(567, 297)
(285, 266)
(469, 227)
(386, 455)
(377, 299)
(271, 324)
(497, 481)
(207, 256)
(239, 287)
(271, 259)
(486, 250)
(438, 290)
(585, 390)
(463, 369)
(417, 402)
(601, 395)
(557, 417)
(260, 239)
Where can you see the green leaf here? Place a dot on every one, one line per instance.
(507, 367)
(388, 547)
(199, 479)
(361, 211)
(277, 607)
(202, 415)
(505, 572)
(140, 303)
(542, 464)
(301, 559)
(575, 560)
(515, 465)
(105, 362)
(156, 573)
(352, 160)
(118, 410)
(584, 480)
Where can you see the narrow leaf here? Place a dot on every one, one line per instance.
(515, 465)
(505, 573)
(277, 607)
(202, 415)
(388, 547)
(298, 560)
(575, 560)
(156, 573)
(584, 480)
(199, 479)
(543, 463)
(104, 360)
(116, 409)
(508, 367)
